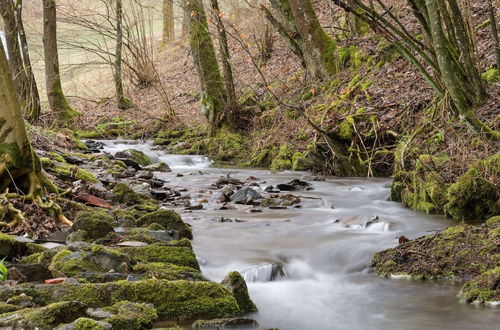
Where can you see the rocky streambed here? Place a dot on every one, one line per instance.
(166, 241)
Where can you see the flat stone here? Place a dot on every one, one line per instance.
(131, 244)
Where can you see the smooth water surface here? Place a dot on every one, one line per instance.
(325, 281)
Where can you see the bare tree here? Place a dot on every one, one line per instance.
(63, 113)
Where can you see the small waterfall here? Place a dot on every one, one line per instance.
(264, 273)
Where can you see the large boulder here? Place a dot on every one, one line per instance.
(169, 219)
(140, 157)
(235, 283)
(159, 167)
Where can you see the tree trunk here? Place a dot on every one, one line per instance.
(319, 50)
(22, 83)
(34, 106)
(186, 22)
(494, 32)
(62, 111)
(168, 23)
(463, 103)
(123, 103)
(19, 165)
(232, 103)
(213, 96)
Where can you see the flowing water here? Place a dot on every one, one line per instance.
(304, 269)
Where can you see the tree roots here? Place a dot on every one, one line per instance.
(36, 183)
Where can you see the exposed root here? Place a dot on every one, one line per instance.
(36, 183)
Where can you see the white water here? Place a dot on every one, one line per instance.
(328, 283)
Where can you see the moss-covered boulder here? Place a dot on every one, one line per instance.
(173, 300)
(238, 287)
(160, 252)
(169, 219)
(95, 259)
(131, 316)
(140, 157)
(167, 271)
(236, 322)
(47, 317)
(95, 223)
(126, 195)
(7, 308)
(84, 323)
(475, 194)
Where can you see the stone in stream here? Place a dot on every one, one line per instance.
(235, 283)
(246, 195)
(94, 146)
(138, 156)
(226, 180)
(169, 219)
(130, 163)
(86, 323)
(144, 175)
(159, 167)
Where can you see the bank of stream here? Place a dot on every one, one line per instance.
(307, 265)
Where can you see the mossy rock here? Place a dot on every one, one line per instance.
(47, 317)
(169, 219)
(235, 283)
(300, 162)
(474, 195)
(180, 256)
(283, 161)
(7, 308)
(97, 259)
(95, 223)
(173, 300)
(124, 194)
(131, 316)
(66, 170)
(140, 157)
(167, 271)
(84, 323)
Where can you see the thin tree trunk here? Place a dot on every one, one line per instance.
(186, 22)
(232, 103)
(62, 111)
(122, 102)
(168, 23)
(463, 105)
(34, 106)
(213, 95)
(8, 13)
(494, 32)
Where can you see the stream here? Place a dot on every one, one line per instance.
(304, 268)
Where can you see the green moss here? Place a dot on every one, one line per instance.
(131, 316)
(124, 194)
(84, 323)
(346, 130)
(46, 317)
(236, 284)
(262, 159)
(167, 271)
(493, 221)
(10, 248)
(68, 170)
(158, 252)
(491, 75)
(483, 288)
(45, 162)
(474, 195)
(7, 308)
(451, 232)
(70, 263)
(283, 161)
(169, 219)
